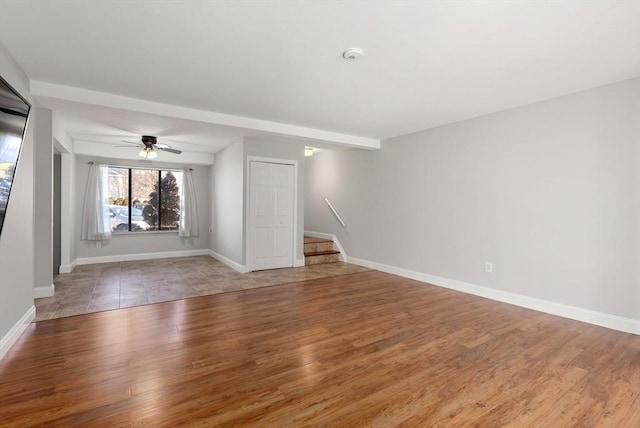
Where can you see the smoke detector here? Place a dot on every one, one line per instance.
(352, 54)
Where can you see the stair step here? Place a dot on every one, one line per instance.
(320, 257)
(312, 240)
(312, 245)
(320, 246)
(321, 253)
(319, 250)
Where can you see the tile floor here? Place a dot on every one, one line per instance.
(106, 286)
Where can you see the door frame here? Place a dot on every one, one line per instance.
(247, 217)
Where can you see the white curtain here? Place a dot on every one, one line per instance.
(95, 218)
(188, 209)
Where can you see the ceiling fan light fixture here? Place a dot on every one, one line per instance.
(148, 153)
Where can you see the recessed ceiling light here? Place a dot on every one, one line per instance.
(352, 53)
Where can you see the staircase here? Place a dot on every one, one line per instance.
(318, 250)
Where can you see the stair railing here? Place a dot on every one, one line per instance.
(334, 211)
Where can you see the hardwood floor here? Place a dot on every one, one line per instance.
(365, 349)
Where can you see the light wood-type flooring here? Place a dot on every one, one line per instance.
(364, 349)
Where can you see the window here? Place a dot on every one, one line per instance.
(143, 199)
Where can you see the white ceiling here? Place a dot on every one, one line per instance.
(255, 67)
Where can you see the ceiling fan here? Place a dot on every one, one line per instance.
(150, 147)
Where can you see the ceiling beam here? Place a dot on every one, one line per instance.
(104, 99)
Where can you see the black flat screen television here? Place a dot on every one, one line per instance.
(14, 112)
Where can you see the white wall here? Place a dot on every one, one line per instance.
(548, 192)
(65, 146)
(129, 244)
(229, 185)
(43, 194)
(57, 213)
(68, 212)
(349, 180)
(227, 237)
(17, 238)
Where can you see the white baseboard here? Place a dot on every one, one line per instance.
(334, 238)
(46, 291)
(298, 263)
(614, 322)
(227, 261)
(139, 256)
(12, 336)
(67, 268)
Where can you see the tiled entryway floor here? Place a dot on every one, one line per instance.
(106, 286)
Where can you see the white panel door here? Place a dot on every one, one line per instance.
(271, 211)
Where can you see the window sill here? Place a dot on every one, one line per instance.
(150, 232)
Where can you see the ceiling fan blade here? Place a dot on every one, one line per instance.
(162, 146)
(170, 150)
(129, 146)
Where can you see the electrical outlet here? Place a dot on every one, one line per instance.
(98, 244)
(488, 267)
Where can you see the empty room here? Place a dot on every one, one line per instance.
(320, 213)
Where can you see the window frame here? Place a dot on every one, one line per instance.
(159, 170)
